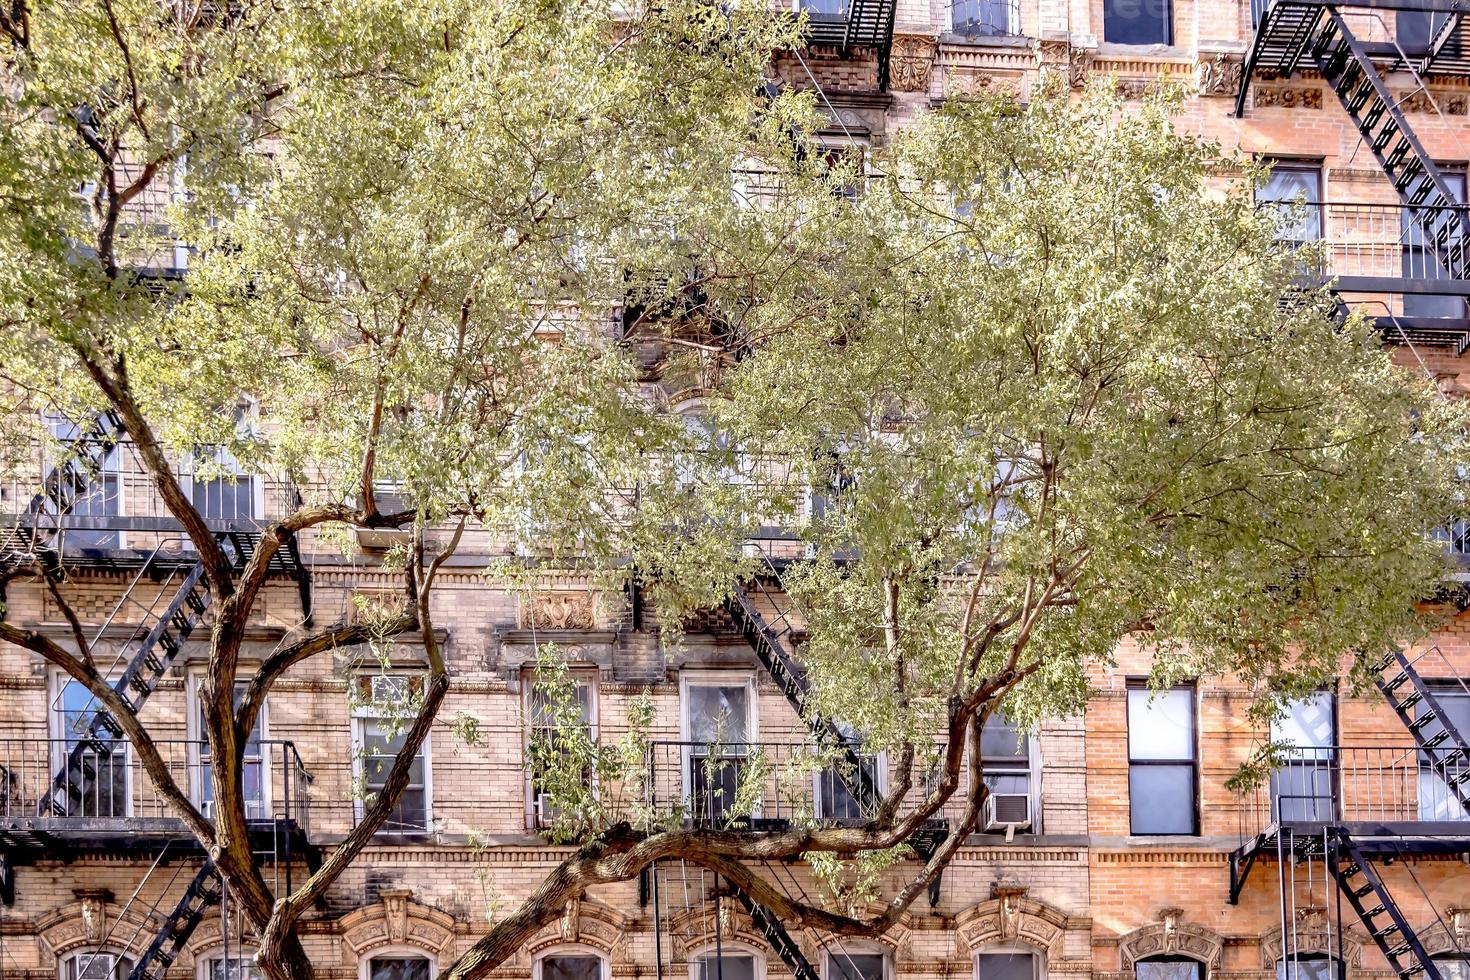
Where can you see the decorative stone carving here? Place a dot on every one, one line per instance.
(1079, 67)
(1134, 88)
(584, 921)
(961, 83)
(1011, 917)
(398, 920)
(1220, 75)
(911, 63)
(86, 922)
(1314, 932)
(1288, 97)
(94, 902)
(557, 611)
(1448, 103)
(1171, 936)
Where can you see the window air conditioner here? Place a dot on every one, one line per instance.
(1009, 812)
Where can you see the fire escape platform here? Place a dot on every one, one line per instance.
(26, 841)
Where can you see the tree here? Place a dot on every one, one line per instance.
(1062, 392)
(1072, 410)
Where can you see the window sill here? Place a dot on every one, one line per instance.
(986, 41)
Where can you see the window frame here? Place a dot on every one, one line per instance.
(860, 949)
(113, 469)
(1204, 968)
(1318, 201)
(202, 962)
(1332, 758)
(399, 952)
(194, 732)
(1415, 251)
(58, 741)
(73, 956)
(1170, 32)
(1340, 973)
(714, 677)
(729, 947)
(581, 674)
(1012, 25)
(572, 949)
(1192, 687)
(1010, 766)
(361, 715)
(1038, 958)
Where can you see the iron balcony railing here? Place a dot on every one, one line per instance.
(754, 785)
(99, 778)
(1351, 784)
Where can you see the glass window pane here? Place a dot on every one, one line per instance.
(854, 966)
(1453, 967)
(398, 968)
(235, 968)
(571, 968)
(1304, 791)
(1161, 799)
(1000, 739)
(1005, 966)
(719, 713)
(97, 966)
(1138, 22)
(1167, 970)
(1292, 188)
(1304, 968)
(982, 18)
(1160, 724)
(731, 966)
(1309, 724)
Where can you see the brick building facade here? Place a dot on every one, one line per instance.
(1129, 844)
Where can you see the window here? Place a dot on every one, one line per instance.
(405, 967)
(1296, 191)
(95, 965)
(91, 764)
(1309, 966)
(1008, 964)
(1138, 22)
(724, 966)
(1421, 260)
(835, 800)
(238, 967)
(1438, 766)
(1169, 968)
(542, 725)
(860, 965)
(847, 164)
(984, 18)
(220, 488)
(823, 9)
(97, 495)
(254, 779)
(1455, 966)
(1417, 30)
(380, 728)
(1163, 777)
(1005, 753)
(719, 723)
(571, 965)
(1304, 788)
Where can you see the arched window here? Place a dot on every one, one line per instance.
(1309, 966)
(393, 964)
(571, 963)
(729, 962)
(236, 964)
(1009, 963)
(1169, 968)
(857, 962)
(95, 964)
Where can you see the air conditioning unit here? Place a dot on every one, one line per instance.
(1009, 812)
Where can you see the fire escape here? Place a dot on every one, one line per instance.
(1352, 48)
(84, 793)
(856, 24)
(1351, 811)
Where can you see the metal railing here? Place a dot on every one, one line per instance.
(1455, 536)
(1344, 784)
(1360, 239)
(105, 779)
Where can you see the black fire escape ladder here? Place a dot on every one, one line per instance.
(1375, 908)
(1447, 751)
(770, 649)
(70, 478)
(1346, 66)
(203, 893)
(775, 935)
(159, 649)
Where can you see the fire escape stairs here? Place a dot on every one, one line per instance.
(1308, 33)
(1446, 751)
(204, 892)
(1374, 905)
(775, 935)
(770, 647)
